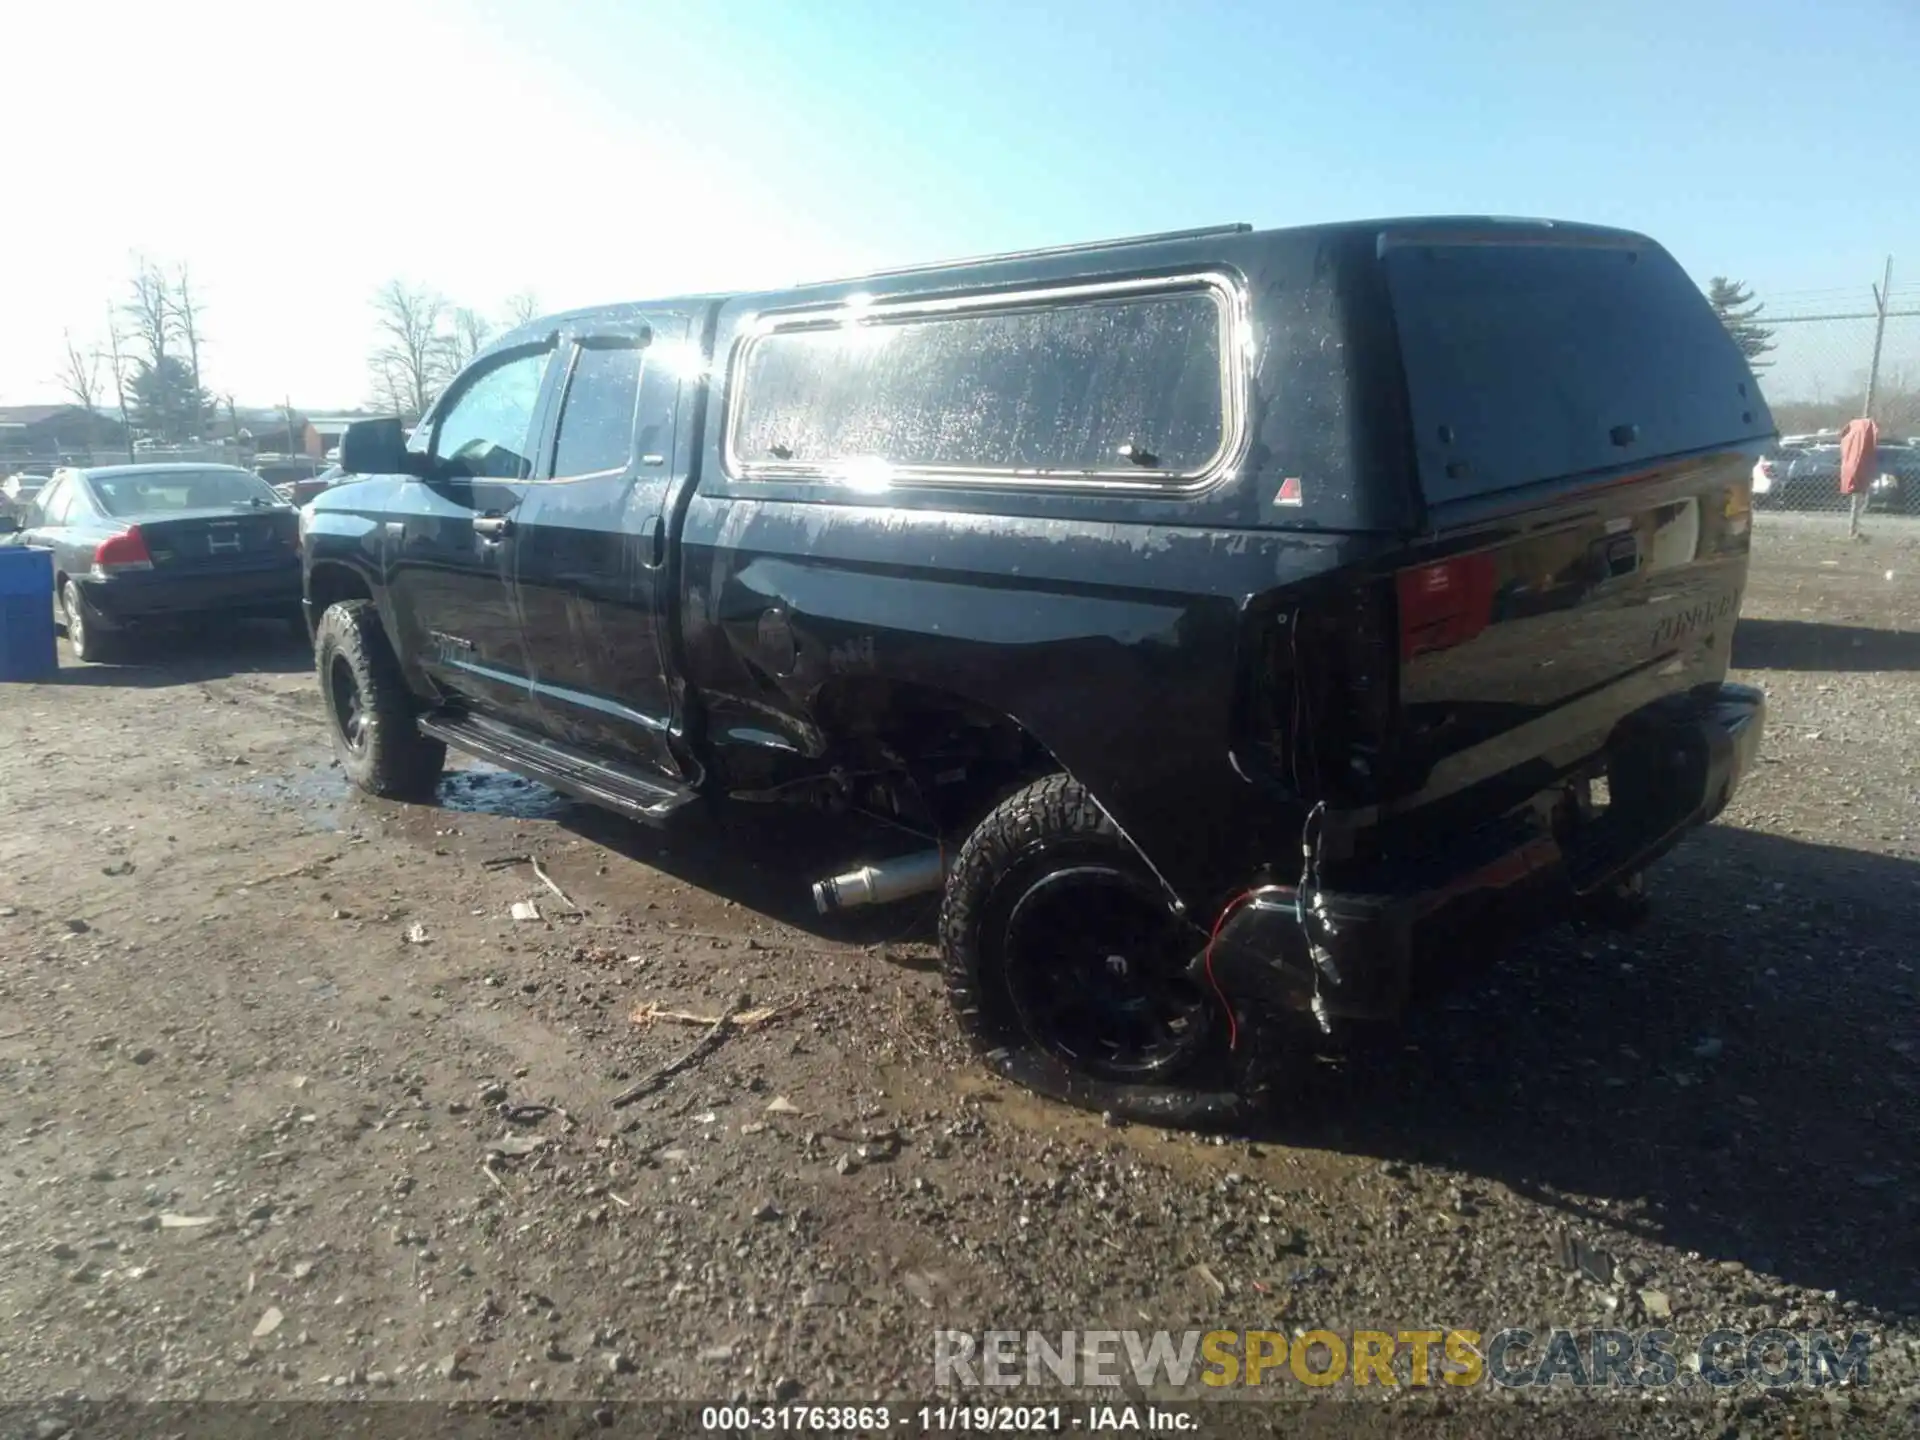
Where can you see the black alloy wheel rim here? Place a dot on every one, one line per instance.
(349, 714)
(1099, 971)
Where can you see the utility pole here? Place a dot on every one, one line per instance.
(287, 405)
(1881, 295)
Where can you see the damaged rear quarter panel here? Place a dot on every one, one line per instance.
(1107, 625)
(1114, 645)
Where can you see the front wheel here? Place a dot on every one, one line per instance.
(1073, 976)
(370, 711)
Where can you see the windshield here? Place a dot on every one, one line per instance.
(172, 491)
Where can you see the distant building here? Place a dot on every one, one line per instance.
(56, 433)
(323, 432)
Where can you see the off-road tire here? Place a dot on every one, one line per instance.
(91, 640)
(390, 757)
(1049, 825)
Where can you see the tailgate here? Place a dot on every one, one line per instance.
(1585, 436)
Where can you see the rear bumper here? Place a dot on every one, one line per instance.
(1670, 768)
(155, 594)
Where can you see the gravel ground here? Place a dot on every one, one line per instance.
(293, 1108)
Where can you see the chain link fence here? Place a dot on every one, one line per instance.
(1824, 371)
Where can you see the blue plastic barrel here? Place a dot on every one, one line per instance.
(26, 613)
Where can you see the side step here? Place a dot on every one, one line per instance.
(652, 798)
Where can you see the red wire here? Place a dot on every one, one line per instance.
(1233, 1028)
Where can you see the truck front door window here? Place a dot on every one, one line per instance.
(485, 433)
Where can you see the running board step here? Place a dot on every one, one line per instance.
(644, 797)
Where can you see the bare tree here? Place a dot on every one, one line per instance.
(522, 308)
(151, 313)
(471, 331)
(119, 377)
(186, 316)
(409, 364)
(80, 374)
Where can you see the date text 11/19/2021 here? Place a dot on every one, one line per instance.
(948, 1419)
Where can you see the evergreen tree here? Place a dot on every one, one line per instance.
(1740, 313)
(164, 404)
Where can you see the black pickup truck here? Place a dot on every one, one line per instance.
(1232, 614)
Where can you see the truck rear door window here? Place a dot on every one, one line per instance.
(1126, 388)
(596, 419)
(1537, 361)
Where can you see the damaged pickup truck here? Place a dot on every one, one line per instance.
(1230, 614)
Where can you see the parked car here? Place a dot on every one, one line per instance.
(136, 544)
(18, 489)
(1199, 600)
(1812, 478)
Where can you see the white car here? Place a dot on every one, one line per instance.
(17, 492)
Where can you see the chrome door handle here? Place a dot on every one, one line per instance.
(492, 527)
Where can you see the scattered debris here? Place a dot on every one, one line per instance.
(824, 1294)
(269, 1322)
(493, 1093)
(124, 867)
(417, 934)
(540, 874)
(171, 1221)
(297, 871)
(1657, 1305)
(745, 1020)
(780, 1105)
(516, 1145)
(715, 1037)
(1575, 1254)
(1219, 1285)
(524, 910)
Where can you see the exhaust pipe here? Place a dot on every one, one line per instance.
(881, 884)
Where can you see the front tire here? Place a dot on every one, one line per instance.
(1072, 976)
(370, 711)
(86, 633)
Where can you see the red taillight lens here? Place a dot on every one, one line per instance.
(123, 552)
(1445, 604)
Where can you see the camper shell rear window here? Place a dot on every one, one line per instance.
(1537, 360)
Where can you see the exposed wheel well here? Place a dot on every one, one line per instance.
(329, 583)
(930, 755)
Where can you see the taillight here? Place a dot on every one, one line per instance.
(122, 552)
(1445, 604)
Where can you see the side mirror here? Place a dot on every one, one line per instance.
(375, 447)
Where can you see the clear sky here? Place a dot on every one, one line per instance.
(297, 154)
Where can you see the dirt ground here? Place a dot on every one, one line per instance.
(290, 1106)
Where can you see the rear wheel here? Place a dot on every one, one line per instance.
(90, 638)
(1072, 975)
(370, 711)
